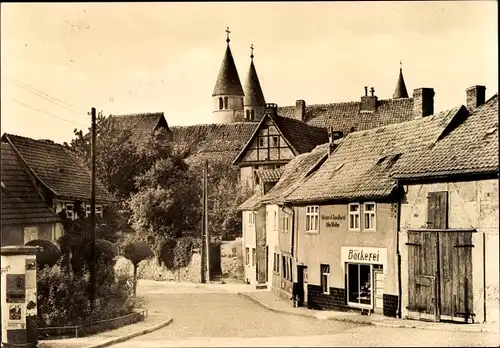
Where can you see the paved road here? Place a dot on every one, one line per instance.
(216, 317)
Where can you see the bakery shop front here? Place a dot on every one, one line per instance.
(364, 273)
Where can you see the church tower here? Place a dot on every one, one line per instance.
(255, 103)
(228, 93)
(400, 91)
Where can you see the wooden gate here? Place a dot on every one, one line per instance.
(440, 275)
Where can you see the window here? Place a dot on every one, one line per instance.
(267, 263)
(312, 218)
(261, 142)
(277, 166)
(354, 216)
(359, 281)
(325, 279)
(290, 269)
(275, 221)
(30, 233)
(254, 256)
(242, 103)
(275, 141)
(251, 218)
(98, 210)
(283, 265)
(221, 104)
(284, 221)
(248, 114)
(252, 115)
(247, 253)
(369, 213)
(70, 214)
(226, 102)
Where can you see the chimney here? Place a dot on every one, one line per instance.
(369, 102)
(476, 95)
(333, 136)
(300, 110)
(423, 102)
(272, 109)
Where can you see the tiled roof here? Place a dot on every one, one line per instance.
(228, 81)
(469, 148)
(214, 142)
(346, 116)
(253, 90)
(22, 205)
(360, 167)
(301, 136)
(295, 173)
(269, 175)
(251, 203)
(141, 126)
(58, 168)
(400, 91)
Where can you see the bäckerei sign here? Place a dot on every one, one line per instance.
(363, 255)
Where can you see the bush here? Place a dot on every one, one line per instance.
(48, 256)
(63, 297)
(135, 251)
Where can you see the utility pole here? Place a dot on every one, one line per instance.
(207, 238)
(203, 279)
(92, 216)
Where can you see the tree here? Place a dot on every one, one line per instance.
(136, 251)
(48, 256)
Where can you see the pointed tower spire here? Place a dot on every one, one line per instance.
(400, 91)
(228, 81)
(254, 98)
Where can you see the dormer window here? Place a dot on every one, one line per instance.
(221, 104)
(70, 213)
(226, 102)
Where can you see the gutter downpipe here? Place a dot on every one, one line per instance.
(398, 253)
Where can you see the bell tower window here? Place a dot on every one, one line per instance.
(248, 114)
(220, 103)
(252, 115)
(226, 100)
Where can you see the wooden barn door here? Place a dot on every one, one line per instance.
(455, 250)
(423, 275)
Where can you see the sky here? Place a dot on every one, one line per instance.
(60, 59)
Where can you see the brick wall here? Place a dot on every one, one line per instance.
(317, 300)
(390, 305)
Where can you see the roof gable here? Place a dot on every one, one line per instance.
(298, 136)
(57, 168)
(21, 202)
(361, 166)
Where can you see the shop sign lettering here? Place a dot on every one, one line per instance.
(333, 220)
(360, 255)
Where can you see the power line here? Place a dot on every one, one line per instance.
(44, 95)
(48, 113)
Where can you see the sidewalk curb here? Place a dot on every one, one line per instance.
(131, 335)
(406, 324)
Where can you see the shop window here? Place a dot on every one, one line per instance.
(325, 279)
(312, 219)
(247, 256)
(30, 233)
(354, 216)
(359, 282)
(370, 217)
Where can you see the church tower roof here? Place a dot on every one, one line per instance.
(400, 91)
(253, 90)
(228, 81)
